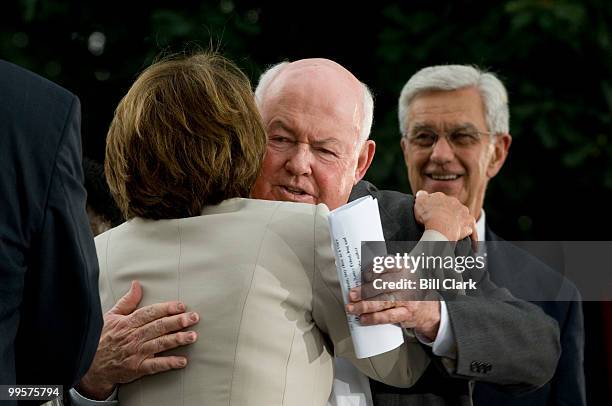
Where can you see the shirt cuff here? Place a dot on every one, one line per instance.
(444, 344)
(79, 400)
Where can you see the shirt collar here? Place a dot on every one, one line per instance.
(480, 226)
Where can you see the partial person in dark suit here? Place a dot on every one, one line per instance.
(318, 151)
(50, 316)
(454, 121)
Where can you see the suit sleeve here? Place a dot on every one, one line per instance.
(502, 340)
(401, 367)
(63, 304)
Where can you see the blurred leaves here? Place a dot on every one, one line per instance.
(29, 7)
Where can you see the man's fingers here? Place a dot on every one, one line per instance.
(465, 232)
(370, 306)
(150, 313)
(156, 365)
(155, 311)
(389, 316)
(169, 342)
(128, 302)
(163, 326)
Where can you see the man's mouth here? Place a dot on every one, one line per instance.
(293, 190)
(443, 176)
(295, 194)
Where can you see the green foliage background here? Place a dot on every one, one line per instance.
(554, 56)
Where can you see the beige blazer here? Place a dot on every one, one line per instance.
(261, 275)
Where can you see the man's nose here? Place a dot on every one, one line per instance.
(299, 163)
(442, 151)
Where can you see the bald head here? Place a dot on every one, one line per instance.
(317, 117)
(324, 80)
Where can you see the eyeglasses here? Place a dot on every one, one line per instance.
(459, 138)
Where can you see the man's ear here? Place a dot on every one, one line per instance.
(404, 145)
(501, 147)
(364, 160)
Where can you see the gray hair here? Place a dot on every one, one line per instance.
(368, 100)
(453, 77)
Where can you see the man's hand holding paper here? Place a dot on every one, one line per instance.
(422, 316)
(385, 297)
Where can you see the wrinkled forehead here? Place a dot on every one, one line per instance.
(447, 109)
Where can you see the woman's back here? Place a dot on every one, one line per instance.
(246, 266)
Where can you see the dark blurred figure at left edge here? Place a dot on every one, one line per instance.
(50, 317)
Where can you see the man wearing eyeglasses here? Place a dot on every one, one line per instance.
(454, 121)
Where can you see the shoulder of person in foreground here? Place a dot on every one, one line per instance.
(54, 252)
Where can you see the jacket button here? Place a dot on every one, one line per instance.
(480, 367)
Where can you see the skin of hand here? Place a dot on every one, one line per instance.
(445, 214)
(422, 316)
(131, 339)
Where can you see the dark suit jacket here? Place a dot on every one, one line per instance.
(522, 361)
(50, 317)
(521, 273)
